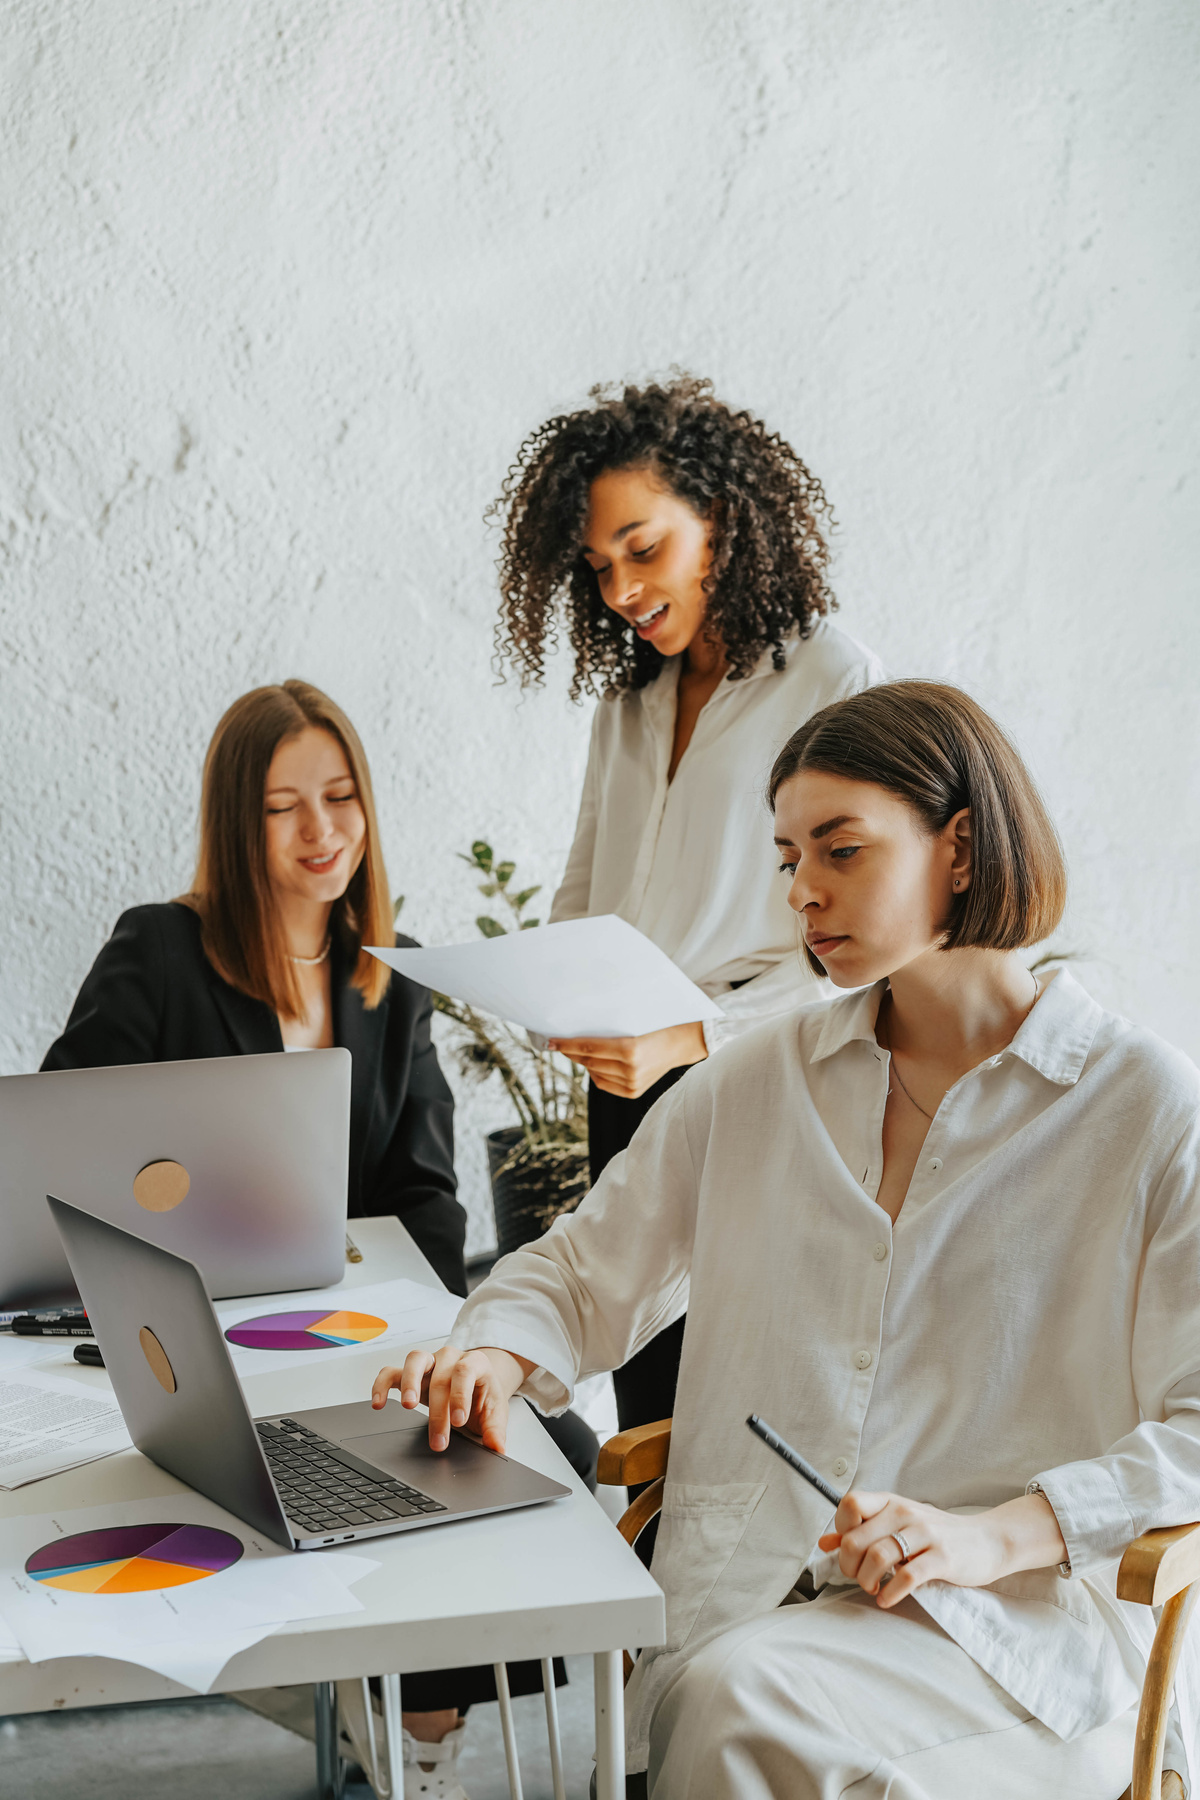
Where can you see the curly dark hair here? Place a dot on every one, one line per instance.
(765, 509)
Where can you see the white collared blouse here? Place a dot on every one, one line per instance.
(1032, 1318)
(691, 862)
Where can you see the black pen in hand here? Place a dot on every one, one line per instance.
(793, 1459)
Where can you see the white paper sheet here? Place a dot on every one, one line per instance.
(411, 1313)
(187, 1632)
(49, 1423)
(19, 1352)
(583, 978)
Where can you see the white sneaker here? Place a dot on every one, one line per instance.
(441, 1781)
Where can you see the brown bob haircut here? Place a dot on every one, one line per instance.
(936, 749)
(240, 929)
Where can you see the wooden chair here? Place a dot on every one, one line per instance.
(1160, 1568)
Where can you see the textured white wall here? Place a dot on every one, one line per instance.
(285, 284)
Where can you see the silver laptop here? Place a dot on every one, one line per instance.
(328, 1475)
(239, 1163)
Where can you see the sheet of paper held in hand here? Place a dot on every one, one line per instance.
(583, 978)
(49, 1423)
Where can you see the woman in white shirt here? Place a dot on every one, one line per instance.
(681, 543)
(944, 1235)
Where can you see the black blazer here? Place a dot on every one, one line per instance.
(153, 996)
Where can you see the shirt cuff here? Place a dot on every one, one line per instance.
(552, 1382)
(1091, 1513)
(1035, 1487)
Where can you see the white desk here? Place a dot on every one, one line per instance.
(552, 1580)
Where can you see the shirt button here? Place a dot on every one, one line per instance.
(880, 1252)
(840, 1466)
(935, 1163)
(863, 1360)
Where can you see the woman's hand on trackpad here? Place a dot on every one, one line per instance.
(468, 1390)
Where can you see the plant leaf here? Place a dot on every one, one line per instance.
(397, 903)
(482, 854)
(490, 928)
(489, 889)
(526, 895)
(504, 872)
(529, 924)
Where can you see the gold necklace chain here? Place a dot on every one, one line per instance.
(894, 1068)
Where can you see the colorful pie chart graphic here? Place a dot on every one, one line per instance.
(306, 1330)
(133, 1559)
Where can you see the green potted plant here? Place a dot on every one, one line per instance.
(538, 1167)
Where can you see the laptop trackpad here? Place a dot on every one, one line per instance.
(463, 1477)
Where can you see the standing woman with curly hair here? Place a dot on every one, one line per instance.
(682, 545)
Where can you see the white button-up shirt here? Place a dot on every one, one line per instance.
(1033, 1317)
(691, 862)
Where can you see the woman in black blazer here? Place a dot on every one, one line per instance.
(153, 996)
(266, 953)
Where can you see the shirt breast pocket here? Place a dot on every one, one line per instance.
(699, 1531)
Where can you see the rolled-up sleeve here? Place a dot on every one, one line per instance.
(780, 989)
(1151, 1476)
(607, 1278)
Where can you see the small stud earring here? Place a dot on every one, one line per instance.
(957, 883)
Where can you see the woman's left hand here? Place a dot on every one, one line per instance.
(628, 1066)
(965, 1549)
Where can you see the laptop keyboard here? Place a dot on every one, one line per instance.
(325, 1489)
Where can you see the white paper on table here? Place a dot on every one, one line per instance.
(582, 978)
(412, 1313)
(49, 1423)
(187, 1633)
(10, 1648)
(18, 1352)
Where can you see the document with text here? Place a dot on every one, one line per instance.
(49, 1423)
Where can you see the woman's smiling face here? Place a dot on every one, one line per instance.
(873, 887)
(650, 553)
(316, 829)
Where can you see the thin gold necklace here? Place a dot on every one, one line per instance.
(894, 1068)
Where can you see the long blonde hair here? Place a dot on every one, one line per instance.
(240, 929)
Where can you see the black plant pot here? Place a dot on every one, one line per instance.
(529, 1194)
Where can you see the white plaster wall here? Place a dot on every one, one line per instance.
(285, 284)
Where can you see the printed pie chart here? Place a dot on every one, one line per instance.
(306, 1330)
(133, 1559)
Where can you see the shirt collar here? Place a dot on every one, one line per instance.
(1054, 1038)
(766, 662)
(849, 1020)
(660, 693)
(1057, 1034)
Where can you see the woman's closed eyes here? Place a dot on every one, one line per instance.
(637, 555)
(330, 800)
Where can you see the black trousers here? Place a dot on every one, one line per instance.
(646, 1385)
